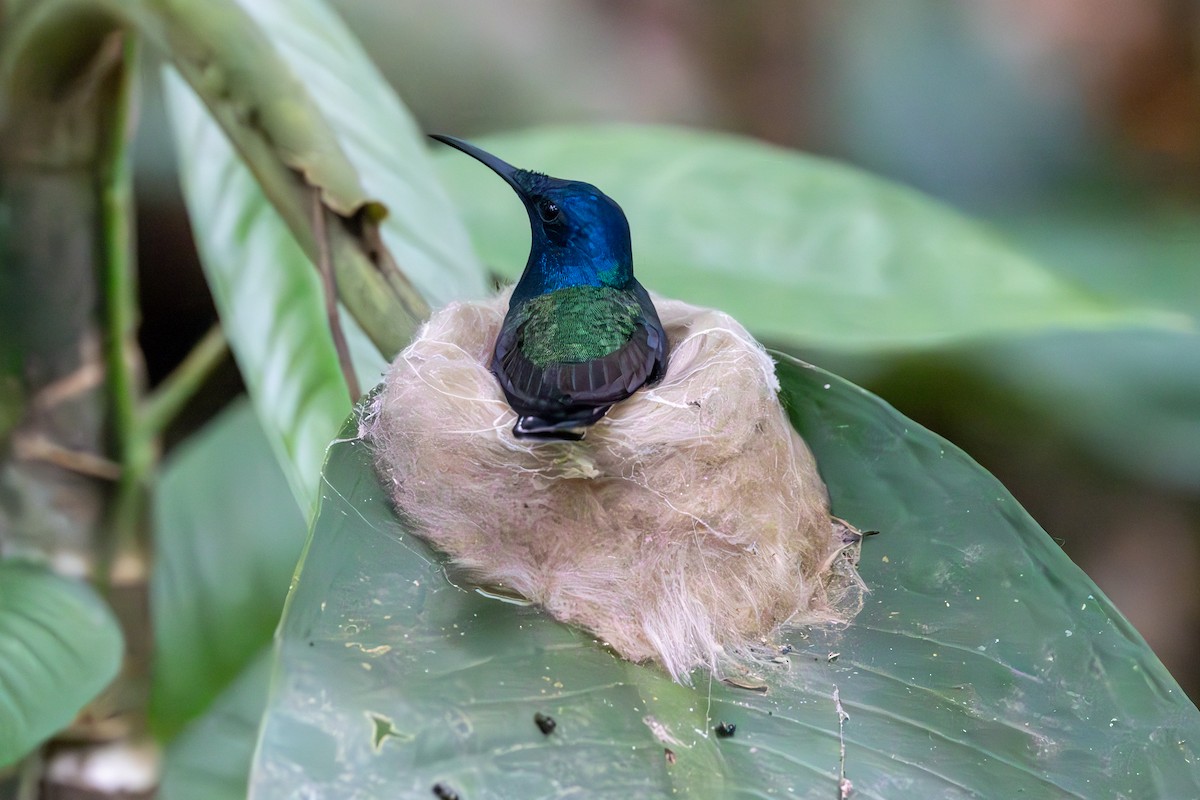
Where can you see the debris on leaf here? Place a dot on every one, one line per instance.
(545, 723)
(747, 682)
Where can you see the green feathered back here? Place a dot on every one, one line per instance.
(576, 324)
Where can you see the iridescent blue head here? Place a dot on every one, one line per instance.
(580, 236)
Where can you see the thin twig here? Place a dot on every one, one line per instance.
(163, 405)
(108, 57)
(39, 448)
(845, 787)
(88, 376)
(329, 283)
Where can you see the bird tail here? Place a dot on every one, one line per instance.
(569, 428)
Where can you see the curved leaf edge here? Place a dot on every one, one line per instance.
(81, 629)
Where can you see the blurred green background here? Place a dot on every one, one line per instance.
(1072, 126)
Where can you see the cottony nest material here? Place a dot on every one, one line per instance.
(686, 526)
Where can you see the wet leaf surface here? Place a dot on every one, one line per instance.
(983, 658)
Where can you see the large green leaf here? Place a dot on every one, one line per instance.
(983, 659)
(267, 291)
(59, 646)
(268, 296)
(1130, 398)
(210, 759)
(380, 138)
(1127, 399)
(1117, 241)
(802, 249)
(227, 537)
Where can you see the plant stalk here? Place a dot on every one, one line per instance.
(163, 404)
(135, 452)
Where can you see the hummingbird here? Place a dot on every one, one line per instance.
(581, 333)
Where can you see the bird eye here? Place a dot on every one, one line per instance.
(548, 210)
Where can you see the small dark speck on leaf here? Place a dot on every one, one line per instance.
(694, 403)
(545, 723)
(443, 792)
(311, 644)
(725, 730)
(670, 754)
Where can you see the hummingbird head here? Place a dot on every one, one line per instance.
(580, 236)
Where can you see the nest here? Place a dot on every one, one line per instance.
(686, 527)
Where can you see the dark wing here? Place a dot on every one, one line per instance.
(657, 339)
(567, 387)
(581, 392)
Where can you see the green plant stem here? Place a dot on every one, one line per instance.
(163, 405)
(135, 452)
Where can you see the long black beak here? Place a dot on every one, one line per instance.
(501, 168)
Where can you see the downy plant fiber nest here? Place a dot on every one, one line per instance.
(687, 525)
